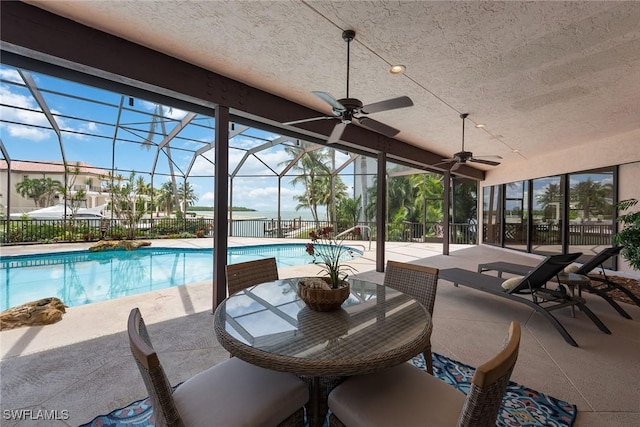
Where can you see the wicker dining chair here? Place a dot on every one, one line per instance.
(231, 393)
(407, 396)
(244, 274)
(421, 283)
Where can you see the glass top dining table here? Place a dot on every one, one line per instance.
(269, 326)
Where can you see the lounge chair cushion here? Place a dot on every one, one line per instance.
(571, 268)
(236, 393)
(512, 282)
(400, 396)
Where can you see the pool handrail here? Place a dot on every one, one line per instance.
(345, 232)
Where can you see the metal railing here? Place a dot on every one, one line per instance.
(20, 231)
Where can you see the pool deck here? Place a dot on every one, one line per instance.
(82, 364)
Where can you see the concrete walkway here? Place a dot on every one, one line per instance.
(82, 365)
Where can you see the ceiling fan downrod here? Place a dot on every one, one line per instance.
(348, 36)
(463, 116)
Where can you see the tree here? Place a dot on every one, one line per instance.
(349, 210)
(590, 195)
(41, 190)
(427, 192)
(165, 198)
(629, 236)
(30, 189)
(158, 121)
(73, 199)
(312, 165)
(187, 194)
(124, 199)
(550, 201)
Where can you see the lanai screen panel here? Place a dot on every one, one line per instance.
(24, 129)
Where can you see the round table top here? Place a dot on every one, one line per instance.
(269, 326)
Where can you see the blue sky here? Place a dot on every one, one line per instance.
(87, 117)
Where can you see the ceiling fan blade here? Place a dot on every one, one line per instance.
(377, 126)
(389, 104)
(445, 163)
(295, 122)
(490, 156)
(336, 133)
(455, 166)
(329, 99)
(484, 162)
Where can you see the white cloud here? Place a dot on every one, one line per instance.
(10, 75)
(30, 133)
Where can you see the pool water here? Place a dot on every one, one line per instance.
(85, 277)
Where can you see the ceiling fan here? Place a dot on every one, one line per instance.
(348, 109)
(463, 157)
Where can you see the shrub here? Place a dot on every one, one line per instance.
(629, 236)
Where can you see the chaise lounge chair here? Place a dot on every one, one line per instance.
(530, 290)
(597, 261)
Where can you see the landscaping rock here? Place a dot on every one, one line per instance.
(35, 313)
(113, 245)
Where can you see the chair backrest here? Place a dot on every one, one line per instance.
(418, 281)
(244, 274)
(598, 259)
(543, 272)
(154, 377)
(489, 384)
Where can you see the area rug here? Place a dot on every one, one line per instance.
(521, 406)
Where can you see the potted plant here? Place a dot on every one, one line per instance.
(629, 236)
(328, 292)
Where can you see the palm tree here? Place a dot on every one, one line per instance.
(552, 194)
(590, 195)
(51, 188)
(400, 200)
(187, 194)
(427, 192)
(311, 166)
(142, 187)
(165, 197)
(327, 190)
(41, 190)
(158, 120)
(349, 210)
(30, 189)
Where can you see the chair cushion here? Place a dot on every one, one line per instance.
(236, 393)
(571, 268)
(511, 283)
(400, 396)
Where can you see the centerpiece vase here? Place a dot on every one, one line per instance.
(323, 299)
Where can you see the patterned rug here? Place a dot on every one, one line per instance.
(522, 406)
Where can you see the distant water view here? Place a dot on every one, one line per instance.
(303, 214)
(263, 223)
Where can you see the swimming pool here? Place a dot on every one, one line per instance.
(85, 277)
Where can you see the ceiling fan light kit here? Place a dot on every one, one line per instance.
(349, 109)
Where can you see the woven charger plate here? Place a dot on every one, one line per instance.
(322, 299)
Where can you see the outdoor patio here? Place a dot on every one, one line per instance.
(83, 364)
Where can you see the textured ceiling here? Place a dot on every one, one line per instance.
(541, 75)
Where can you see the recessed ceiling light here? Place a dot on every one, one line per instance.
(397, 69)
(480, 125)
(515, 150)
